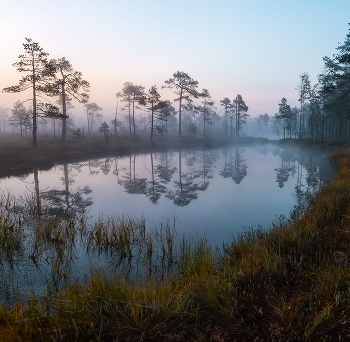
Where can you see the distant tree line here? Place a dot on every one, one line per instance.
(323, 112)
(163, 117)
(57, 78)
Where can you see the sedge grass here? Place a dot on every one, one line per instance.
(287, 283)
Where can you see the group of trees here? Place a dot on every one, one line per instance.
(324, 108)
(323, 111)
(236, 111)
(57, 78)
(53, 78)
(194, 115)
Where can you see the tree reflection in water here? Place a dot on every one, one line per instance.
(55, 253)
(186, 189)
(199, 170)
(165, 169)
(131, 183)
(285, 170)
(234, 166)
(205, 170)
(239, 169)
(155, 187)
(55, 202)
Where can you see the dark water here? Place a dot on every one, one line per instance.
(213, 192)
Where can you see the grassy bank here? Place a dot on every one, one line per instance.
(290, 283)
(18, 156)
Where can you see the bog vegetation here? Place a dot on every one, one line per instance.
(290, 282)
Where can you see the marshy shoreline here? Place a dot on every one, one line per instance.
(290, 282)
(19, 157)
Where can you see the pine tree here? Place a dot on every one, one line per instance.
(185, 89)
(165, 113)
(304, 94)
(204, 110)
(240, 112)
(285, 113)
(92, 110)
(153, 103)
(20, 117)
(39, 79)
(68, 84)
(131, 94)
(226, 103)
(104, 128)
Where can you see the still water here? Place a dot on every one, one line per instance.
(214, 192)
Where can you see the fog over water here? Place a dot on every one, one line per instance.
(213, 193)
(218, 191)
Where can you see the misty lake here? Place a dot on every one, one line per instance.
(214, 192)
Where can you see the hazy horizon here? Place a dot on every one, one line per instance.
(253, 48)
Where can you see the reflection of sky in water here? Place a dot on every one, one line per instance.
(220, 211)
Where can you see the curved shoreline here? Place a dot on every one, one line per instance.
(291, 282)
(18, 157)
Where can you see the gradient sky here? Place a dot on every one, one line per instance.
(256, 48)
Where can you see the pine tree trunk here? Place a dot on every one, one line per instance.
(129, 118)
(133, 114)
(34, 106)
(152, 124)
(37, 192)
(66, 182)
(180, 113)
(64, 121)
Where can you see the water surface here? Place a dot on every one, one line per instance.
(215, 192)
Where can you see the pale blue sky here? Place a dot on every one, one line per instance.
(254, 48)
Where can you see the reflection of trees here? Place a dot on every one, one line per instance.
(311, 171)
(282, 175)
(227, 171)
(186, 190)
(165, 168)
(53, 202)
(37, 191)
(191, 158)
(155, 187)
(207, 160)
(286, 169)
(234, 166)
(314, 167)
(306, 165)
(50, 249)
(239, 168)
(116, 169)
(63, 202)
(77, 166)
(106, 166)
(94, 164)
(131, 183)
(60, 248)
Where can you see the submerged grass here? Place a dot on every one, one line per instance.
(290, 282)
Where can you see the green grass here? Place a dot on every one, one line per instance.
(290, 282)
